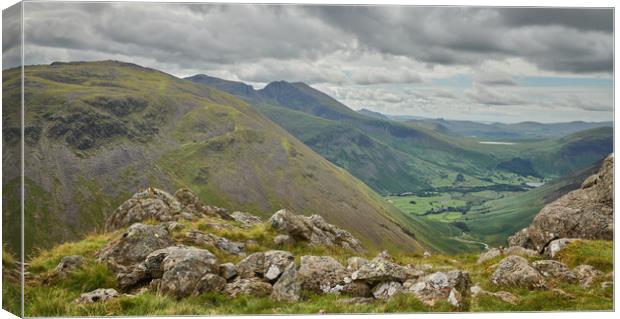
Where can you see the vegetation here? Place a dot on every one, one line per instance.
(49, 295)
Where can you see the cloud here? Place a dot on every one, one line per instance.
(484, 95)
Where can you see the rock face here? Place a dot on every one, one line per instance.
(585, 213)
(320, 274)
(452, 286)
(97, 295)
(135, 244)
(275, 263)
(516, 271)
(313, 229)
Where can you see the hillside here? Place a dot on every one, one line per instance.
(98, 131)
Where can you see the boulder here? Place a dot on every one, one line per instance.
(210, 282)
(221, 243)
(252, 266)
(320, 273)
(134, 245)
(356, 301)
(246, 220)
(515, 250)
(250, 286)
(386, 290)
(313, 229)
(68, 264)
(228, 270)
(555, 269)
(275, 263)
(587, 275)
(585, 213)
(555, 246)
(151, 203)
(516, 271)
(180, 268)
(287, 287)
(98, 295)
(380, 270)
(452, 286)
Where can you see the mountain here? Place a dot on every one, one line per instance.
(374, 114)
(99, 131)
(389, 156)
(504, 131)
(395, 157)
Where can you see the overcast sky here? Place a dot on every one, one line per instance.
(488, 64)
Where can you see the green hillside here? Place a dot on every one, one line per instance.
(99, 131)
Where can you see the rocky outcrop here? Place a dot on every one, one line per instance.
(192, 204)
(313, 229)
(555, 246)
(320, 274)
(586, 213)
(249, 286)
(275, 263)
(379, 270)
(516, 271)
(210, 282)
(387, 290)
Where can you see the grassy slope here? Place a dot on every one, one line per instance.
(49, 296)
(179, 134)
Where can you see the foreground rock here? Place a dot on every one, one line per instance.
(586, 213)
(452, 286)
(68, 264)
(313, 229)
(587, 275)
(249, 286)
(287, 288)
(320, 274)
(221, 243)
(134, 245)
(555, 269)
(502, 295)
(555, 246)
(378, 270)
(516, 271)
(98, 295)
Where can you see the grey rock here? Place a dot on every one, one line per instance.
(275, 263)
(510, 251)
(555, 269)
(221, 243)
(151, 203)
(228, 270)
(317, 272)
(587, 275)
(355, 263)
(555, 246)
(210, 282)
(386, 290)
(516, 271)
(313, 229)
(252, 266)
(452, 286)
(135, 244)
(98, 295)
(283, 240)
(380, 270)
(287, 287)
(246, 220)
(250, 286)
(68, 264)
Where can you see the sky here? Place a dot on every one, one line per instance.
(469, 63)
